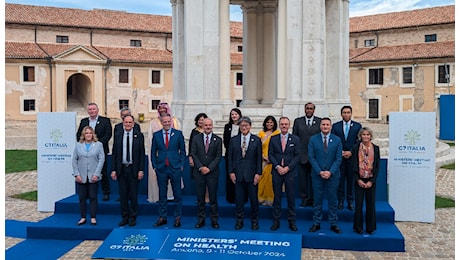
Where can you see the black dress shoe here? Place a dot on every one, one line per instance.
(123, 222)
(255, 226)
(275, 226)
(239, 225)
(340, 206)
(132, 222)
(293, 226)
(106, 197)
(93, 222)
(81, 222)
(350, 206)
(370, 232)
(358, 231)
(199, 224)
(314, 228)
(215, 224)
(336, 229)
(160, 222)
(177, 222)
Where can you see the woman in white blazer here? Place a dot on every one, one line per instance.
(88, 159)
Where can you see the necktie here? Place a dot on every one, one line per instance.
(347, 128)
(325, 143)
(166, 144)
(206, 147)
(308, 123)
(128, 153)
(243, 147)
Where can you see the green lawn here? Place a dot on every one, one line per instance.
(20, 160)
(449, 166)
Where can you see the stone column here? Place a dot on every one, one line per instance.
(250, 68)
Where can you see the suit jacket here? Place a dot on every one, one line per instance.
(304, 133)
(103, 130)
(245, 168)
(88, 163)
(137, 152)
(175, 151)
(325, 161)
(375, 165)
(291, 154)
(210, 159)
(352, 139)
(119, 127)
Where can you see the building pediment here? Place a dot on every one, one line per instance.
(80, 54)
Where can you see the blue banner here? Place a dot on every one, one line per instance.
(196, 244)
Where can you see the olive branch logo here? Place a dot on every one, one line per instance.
(56, 134)
(412, 137)
(135, 240)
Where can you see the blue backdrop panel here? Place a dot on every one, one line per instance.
(189, 184)
(447, 117)
(197, 244)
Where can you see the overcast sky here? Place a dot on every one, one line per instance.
(357, 7)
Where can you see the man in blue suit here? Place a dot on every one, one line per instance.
(245, 169)
(325, 156)
(347, 130)
(284, 155)
(128, 160)
(168, 158)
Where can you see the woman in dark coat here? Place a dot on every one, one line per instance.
(231, 129)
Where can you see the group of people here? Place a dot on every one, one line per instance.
(334, 161)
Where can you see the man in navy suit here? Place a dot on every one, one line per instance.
(245, 169)
(347, 130)
(305, 127)
(284, 154)
(128, 160)
(168, 158)
(103, 129)
(206, 151)
(325, 156)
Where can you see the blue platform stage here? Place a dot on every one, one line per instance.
(62, 225)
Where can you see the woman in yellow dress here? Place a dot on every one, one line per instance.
(265, 193)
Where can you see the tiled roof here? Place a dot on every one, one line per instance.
(403, 52)
(23, 50)
(96, 19)
(236, 58)
(419, 17)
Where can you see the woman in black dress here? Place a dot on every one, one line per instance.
(230, 130)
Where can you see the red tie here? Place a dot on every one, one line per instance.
(206, 147)
(166, 144)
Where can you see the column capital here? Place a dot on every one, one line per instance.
(256, 6)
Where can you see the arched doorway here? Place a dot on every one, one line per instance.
(78, 92)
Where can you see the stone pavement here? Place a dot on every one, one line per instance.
(423, 240)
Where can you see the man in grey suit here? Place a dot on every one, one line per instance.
(245, 169)
(305, 127)
(206, 151)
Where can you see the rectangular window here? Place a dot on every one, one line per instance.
(407, 75)
(373, 108)
(444, 73)
(123, 76)
(430, 37)
(239, 79)
(123, 103)
(136, 43)
(369, 43)
(28, 73)
(376, 76)
(156, 77)
(154, 104)
(29, 105)
(62, 39)
(240, 48)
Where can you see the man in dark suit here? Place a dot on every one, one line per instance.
(305, 127)
(103, 129)
(125, 111)
(245, 169)
(168, 158)
(284, 154)
(325, 156)
(128, 160)
(206, 151)
(347, 130)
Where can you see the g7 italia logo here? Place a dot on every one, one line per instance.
(412, 137)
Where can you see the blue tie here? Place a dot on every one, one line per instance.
(347, 128)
